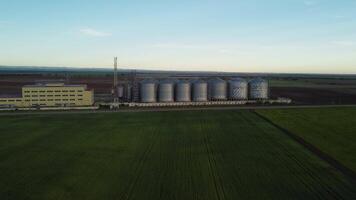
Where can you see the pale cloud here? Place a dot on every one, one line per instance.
(4, 23)
(178, 46)
(94, 33)
(220, 48)
(339, 16)
(310, 3)
(344, 43)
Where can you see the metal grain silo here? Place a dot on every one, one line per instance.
(148, 91)
(218, 90)
(120, 91)
(200, 90)
(166, 91)
(258, 89)
(238, 89)
(128, 92)
(183, 91)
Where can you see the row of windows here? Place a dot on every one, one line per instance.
(53, 100)
(11, 100)
(51, 91)
(64, 95)
(27, 100)
(57, 104)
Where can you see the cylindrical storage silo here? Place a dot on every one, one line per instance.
(218, 90)
(148, 91)
(120, 91)
(166, 91)
(258, 89)
(238, 89)
(200, 91)
(128, 93)
(183, 91)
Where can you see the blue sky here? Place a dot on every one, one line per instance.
(306, 36)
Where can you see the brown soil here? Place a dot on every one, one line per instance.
(314, 95)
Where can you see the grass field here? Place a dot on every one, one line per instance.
(332, 130)
(168, 155)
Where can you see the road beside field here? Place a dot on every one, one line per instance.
(134, 110)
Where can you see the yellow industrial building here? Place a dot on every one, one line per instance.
(51, 95)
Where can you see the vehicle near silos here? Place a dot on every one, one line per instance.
(200, 91)
(258, 89)
(238, 89)
(166, 91)
(183, 91)
(148, 91)
(217, 90)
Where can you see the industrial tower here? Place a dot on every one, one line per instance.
(115, 85)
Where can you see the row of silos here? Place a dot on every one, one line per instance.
(200, 91)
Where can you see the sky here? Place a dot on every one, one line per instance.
(286, 36)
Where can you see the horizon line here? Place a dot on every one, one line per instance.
(163, 70)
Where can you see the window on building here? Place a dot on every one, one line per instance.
(57, 95)
(49, 95)
(43, 99)
(65, 95)
(42, 91)
(27, 95)
(34, 95)
(72, 95)
(64, 90)
(57, 91)
(42, 95)
(80, 95)
(80, 91)
(80, 99)
(49, 91)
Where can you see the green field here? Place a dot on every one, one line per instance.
(164, 155)
(332, 130)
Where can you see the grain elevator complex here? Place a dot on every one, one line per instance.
(147, 90)
(168, 91)
(193, 91)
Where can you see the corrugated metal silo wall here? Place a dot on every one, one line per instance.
(183, 92)
(200, 91)
(218, 90)
(166, 92)
(238, 89)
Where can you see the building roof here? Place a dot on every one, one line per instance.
(55, 85)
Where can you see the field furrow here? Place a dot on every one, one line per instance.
(201, 155)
